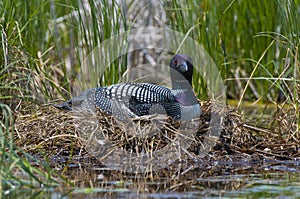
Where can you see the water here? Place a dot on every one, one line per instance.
(240, 186)
(272, 179)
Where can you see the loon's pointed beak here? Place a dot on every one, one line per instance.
(183, 67)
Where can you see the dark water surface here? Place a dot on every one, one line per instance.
(270, 179)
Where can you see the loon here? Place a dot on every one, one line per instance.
(139, 99)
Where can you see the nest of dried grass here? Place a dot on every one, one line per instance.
(54, 133)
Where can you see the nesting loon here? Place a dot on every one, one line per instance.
(138, 99)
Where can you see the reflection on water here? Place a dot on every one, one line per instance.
(267, 179)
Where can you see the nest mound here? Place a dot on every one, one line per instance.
(60, 135)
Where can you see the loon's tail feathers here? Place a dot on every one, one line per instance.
(67, 105)
(85, 100)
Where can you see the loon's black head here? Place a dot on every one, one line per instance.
(181, 69)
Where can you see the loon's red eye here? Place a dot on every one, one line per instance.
(175, 62)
